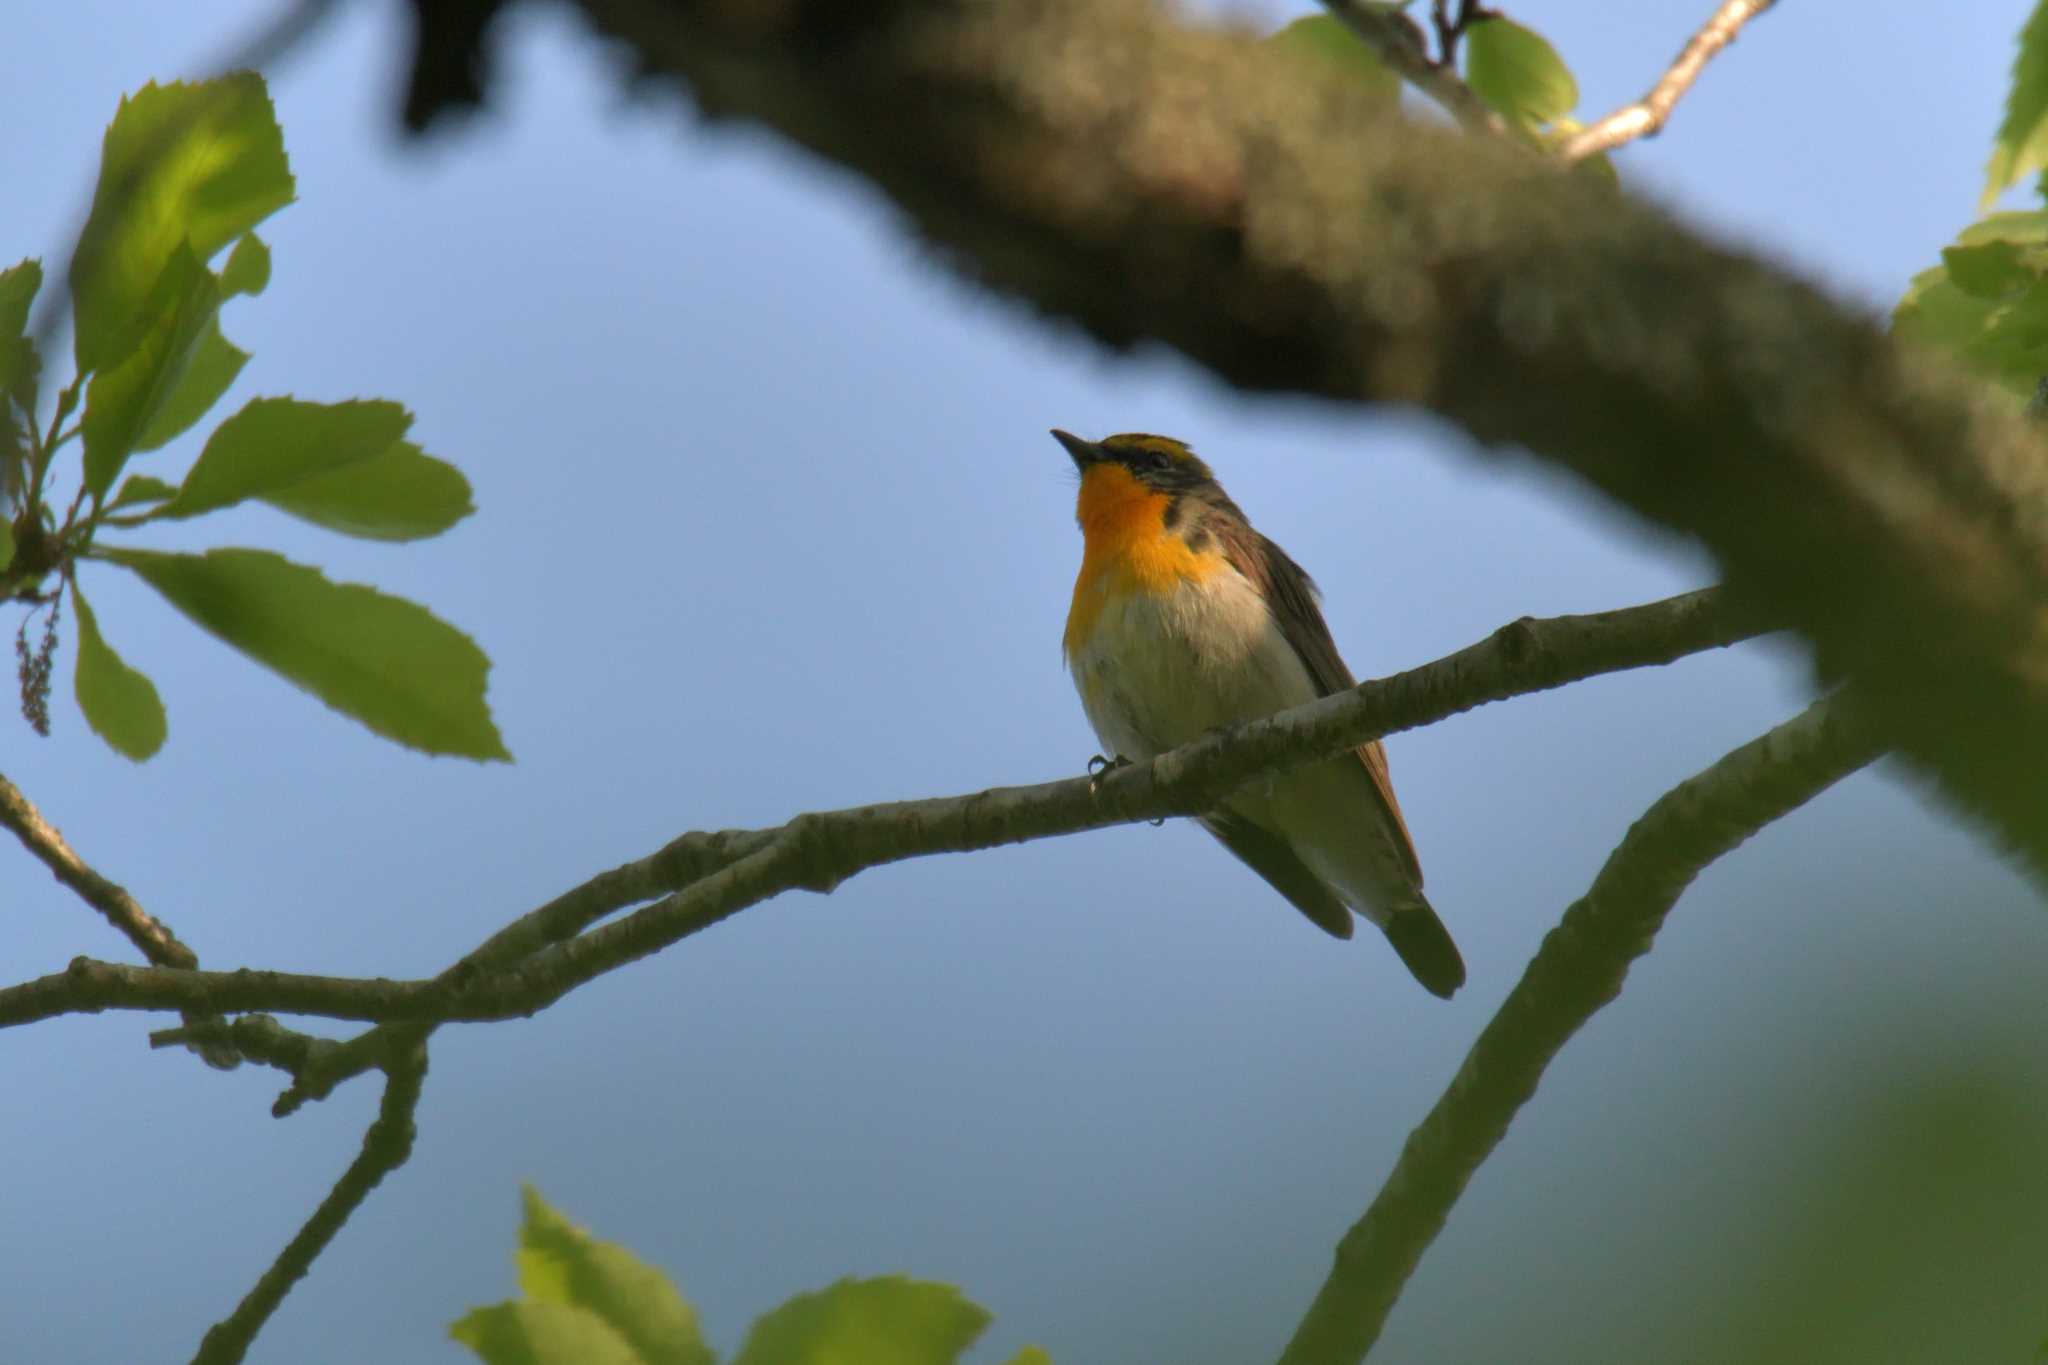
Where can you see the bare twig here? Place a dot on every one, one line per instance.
(515, 973)
(151, 936)
(1397, 42)
(1647, 116)
(1450, 29)
(386, 1145)
(1579, 969)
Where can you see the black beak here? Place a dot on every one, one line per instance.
(1084, 453)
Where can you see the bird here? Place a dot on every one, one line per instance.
(1185, 619)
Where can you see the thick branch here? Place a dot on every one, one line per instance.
(1648, 115)
(151, 936)
(1579, 969)
(387, 1143)
(719, 874)
(1154, 181)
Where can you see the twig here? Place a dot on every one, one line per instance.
(1394, 38)
(1449, 30)
(1647, 116)
(386, 1145)
(1579, 969)
(151, 936)
(722, 873)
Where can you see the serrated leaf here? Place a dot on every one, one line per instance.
(1517, 71)
(561, 1263)
(248, 267)
(141, 488)
(891, 1318)
(543, 1334)
(124, 399)
(1324, 39)
(2021, 144)
(403, 494)
(386, 662)
(119, 703)
(213, 365)
(192, 165)
(275, 443)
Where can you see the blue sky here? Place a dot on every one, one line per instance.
(769, 522)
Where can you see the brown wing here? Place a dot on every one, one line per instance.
(1291, 594)
(1273, 858)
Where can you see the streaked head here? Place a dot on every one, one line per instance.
(1159, 463)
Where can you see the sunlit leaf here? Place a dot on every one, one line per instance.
(403, 494)
(561, 1263)
(2021, 145)
(1325, 39)
(183, 165)
(212, 366)
(891, 1318)
(1517, 71)
(274, 443)
(120, 704)
(384, 661)
(122, 401)
(248, 267)
(1987, 303)
(526, 1333)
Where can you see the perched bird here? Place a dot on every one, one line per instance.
(1186, 619)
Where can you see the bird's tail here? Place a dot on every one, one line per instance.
(1425, 945)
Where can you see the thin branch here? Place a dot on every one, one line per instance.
(722, 873)
(1579, 969)
(1397, 42)
(1647, 116)
(386, 1145)
(151, 936)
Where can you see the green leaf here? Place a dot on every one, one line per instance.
(561, 1263)
(19, 365)
(183, 165)
(1324, 39)
(123, 400)
(1987, 303)
(2021, 145)
(213, 365)
(1031, 1355)
(543, 1334)
(248, 267)
(384, 661)
(1518, 72)
(274, 443)
(890, 1319)
(141, 488)
(403, 494)
(6, 543)
(1992, 270)
(120, 704)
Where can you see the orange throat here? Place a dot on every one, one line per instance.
(1126, 548)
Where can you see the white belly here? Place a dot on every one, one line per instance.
(1160, 670)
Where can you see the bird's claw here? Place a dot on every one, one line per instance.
(1099, 767)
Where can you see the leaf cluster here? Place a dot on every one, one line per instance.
(187, 172)
(590, 1302)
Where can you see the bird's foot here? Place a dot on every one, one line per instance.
(1100, 767)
